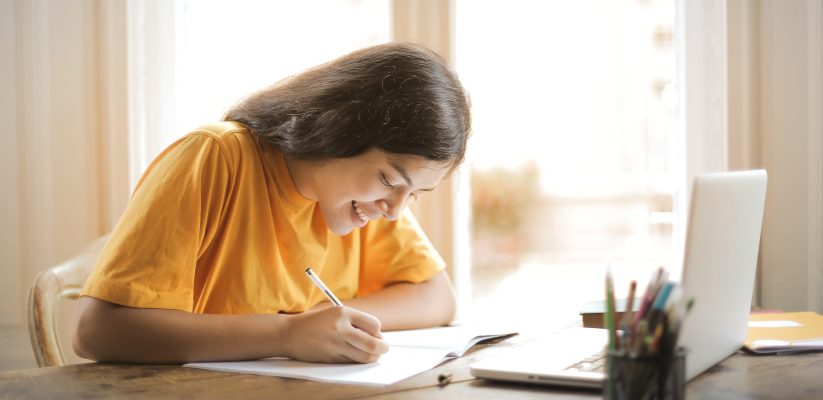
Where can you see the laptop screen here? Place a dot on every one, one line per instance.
(719, 264)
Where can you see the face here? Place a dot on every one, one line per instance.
(353, 191)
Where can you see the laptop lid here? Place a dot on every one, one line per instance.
(722, 241)
(719, 263)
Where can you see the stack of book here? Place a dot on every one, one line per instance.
(592, 311)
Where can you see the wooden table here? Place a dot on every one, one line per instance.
(741, 376)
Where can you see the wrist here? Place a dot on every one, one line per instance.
(280, 336)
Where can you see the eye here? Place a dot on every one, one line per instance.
(386, 181)
(413, 196)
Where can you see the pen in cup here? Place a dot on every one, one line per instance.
(648, 295)
(322, 286)
(625, 323)
(609, 318)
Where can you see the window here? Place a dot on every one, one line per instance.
(570, 156)
(230, 49)
(195, 58)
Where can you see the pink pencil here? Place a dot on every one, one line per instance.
(648, 296)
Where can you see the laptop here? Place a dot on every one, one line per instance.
(719, 263)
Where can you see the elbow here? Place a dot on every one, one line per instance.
(88, 334)
(81, 344)
(447, 299)
(81, 347)
(450, 307)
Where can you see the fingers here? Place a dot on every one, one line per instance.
(337, 334)
(366, 322)
(356, 355)
(367, 344)
(364, 338)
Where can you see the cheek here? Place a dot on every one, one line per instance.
(362, 191)
(339, 195)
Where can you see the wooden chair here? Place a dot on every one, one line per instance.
(50, 287)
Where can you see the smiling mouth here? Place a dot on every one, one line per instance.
(360, 214)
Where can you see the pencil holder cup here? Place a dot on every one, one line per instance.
(656, 376)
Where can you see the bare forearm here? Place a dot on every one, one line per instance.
(108, 332)
(114, 333)
(409, 305)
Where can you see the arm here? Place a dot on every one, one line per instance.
(110, 332)
(411, 305)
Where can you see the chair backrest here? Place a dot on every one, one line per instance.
(64, 281)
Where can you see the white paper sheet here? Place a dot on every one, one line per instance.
(399, 363)
(773, 324)
(410, 353)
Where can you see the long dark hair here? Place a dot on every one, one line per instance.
(398, 97)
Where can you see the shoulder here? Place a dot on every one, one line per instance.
(224, 133)
(220, 130)
(234, 140)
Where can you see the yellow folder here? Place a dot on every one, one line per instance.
(784, 332)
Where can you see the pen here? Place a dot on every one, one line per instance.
(610, 317)
(627, 316)
(648, 296)
(625, 325)
(323, 288)
(679, 316)
(639, 341)
(657, 337)
(658, 306)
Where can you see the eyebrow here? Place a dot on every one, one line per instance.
(402, 171)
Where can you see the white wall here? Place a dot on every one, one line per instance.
(775, 110)
(751, 86)
(790, 75)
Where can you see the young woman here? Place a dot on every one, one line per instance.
(207, 262)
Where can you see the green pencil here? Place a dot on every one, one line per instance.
(610, 318)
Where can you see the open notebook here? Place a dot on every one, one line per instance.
(411, 352)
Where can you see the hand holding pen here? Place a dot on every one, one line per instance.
(336, 334)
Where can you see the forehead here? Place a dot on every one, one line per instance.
(416, 163)
(422, 172)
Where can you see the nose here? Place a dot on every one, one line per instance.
(392, 206)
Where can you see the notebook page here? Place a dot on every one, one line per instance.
(397, 364)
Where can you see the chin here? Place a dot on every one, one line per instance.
(342, 231)
(338, 221)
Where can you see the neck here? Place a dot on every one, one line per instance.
(300, 172)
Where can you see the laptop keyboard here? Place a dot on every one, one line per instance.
(593, 363)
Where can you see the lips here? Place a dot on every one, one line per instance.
(360, 216)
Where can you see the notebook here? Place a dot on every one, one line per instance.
(784, 333)
(720, 258)
(410, 352)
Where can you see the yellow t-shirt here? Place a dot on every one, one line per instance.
(216, 226)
